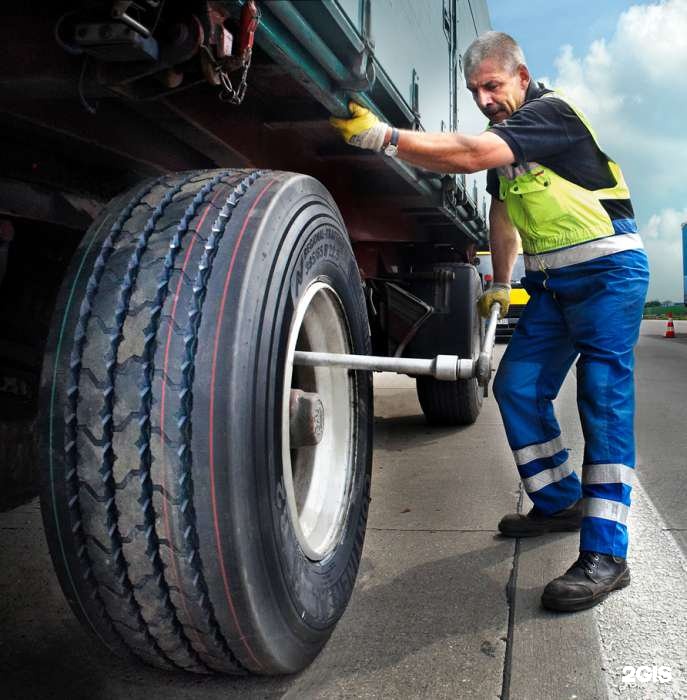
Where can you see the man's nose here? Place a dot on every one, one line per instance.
(483, 99)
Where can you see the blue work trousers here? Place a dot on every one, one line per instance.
(591, 311)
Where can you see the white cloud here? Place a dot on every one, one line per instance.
(633, 88)
(664, 247)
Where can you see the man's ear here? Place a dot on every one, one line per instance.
(524, 75)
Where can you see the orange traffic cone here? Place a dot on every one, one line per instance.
(670, 328)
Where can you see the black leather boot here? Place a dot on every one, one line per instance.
(587, 582)
(538, 523)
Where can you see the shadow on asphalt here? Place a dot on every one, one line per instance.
(407, 432)
(45, 652)
(399, 608)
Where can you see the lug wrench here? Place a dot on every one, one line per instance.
(443, 367)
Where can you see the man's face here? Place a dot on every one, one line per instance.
(498, 92)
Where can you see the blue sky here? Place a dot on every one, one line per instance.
(565, 22)
(625, 64)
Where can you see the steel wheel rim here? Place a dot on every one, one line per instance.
(317, 478)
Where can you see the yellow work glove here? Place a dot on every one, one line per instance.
(497, 292)
(364, 129)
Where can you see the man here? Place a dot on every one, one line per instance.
(587, 276)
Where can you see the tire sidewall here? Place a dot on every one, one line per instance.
(295, 237)
(320, 590)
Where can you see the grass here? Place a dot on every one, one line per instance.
(679, 312)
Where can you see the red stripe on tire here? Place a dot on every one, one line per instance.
(167, 527)
(218, 326)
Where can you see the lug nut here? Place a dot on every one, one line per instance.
(306, 419)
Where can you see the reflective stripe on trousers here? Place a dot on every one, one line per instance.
(591, 311)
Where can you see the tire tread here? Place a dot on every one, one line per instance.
(114, 507)
(448, 403)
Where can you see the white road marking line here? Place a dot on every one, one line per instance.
(645, 625)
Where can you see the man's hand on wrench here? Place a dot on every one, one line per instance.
(497, 292)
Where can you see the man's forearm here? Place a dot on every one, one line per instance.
(504, 252)
(503, 242)
(438, 152)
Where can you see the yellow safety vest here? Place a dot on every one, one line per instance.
(551, 212)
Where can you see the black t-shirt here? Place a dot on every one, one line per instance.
(547, 131)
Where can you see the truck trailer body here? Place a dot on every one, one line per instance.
(177, 221)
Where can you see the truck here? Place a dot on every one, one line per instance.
(179, 227)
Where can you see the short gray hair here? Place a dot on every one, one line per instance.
(497, 45)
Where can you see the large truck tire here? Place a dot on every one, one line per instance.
(205, 501)
(460, 332)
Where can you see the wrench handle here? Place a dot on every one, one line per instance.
(483, 369)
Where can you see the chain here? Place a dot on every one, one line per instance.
(229, 93)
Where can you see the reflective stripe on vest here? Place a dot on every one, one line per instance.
(551, 212)
(583, 252)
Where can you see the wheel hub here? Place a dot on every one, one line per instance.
(306, 419)
(318, 424)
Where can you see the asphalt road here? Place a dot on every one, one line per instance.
(443, 607)
(661, 379)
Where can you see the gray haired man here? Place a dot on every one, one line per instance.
(552, 184)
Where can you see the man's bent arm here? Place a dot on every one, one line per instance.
(503, 242)
(453, 152)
